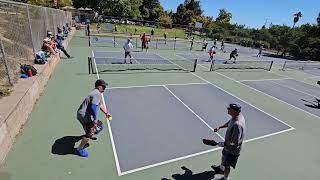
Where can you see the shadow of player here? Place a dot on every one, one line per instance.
(188, 175)
(66, 145)
(5, 176)
(315, 104)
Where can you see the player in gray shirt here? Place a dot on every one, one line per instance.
(87, 114)
(233, 140)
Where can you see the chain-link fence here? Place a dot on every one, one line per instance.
(22, 30)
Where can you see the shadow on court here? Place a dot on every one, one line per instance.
(188, 175)
(279, 56)
(5, 176)
(315, 104)
(66, 145)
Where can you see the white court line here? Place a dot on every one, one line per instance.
(268, 135)
(193, 112)
(295, 89)
(198, 64)
(188, 156)
(240, 98)
(135, 60)
(301, 80)
(110, 131)
(272, 97)
(170, 161)
(266, 79)
(156, 85)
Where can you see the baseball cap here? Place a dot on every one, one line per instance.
(100, 82)
(235, 106)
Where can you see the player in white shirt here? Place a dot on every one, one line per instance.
(127, 51)
(212, 52)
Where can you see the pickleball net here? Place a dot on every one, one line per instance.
(113, 64)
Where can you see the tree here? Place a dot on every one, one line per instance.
(318, 19)
(165, 19)
(224, 16)
(296, 18)
(151, 10)
(151, 4)
(181, 10)
(194, 6)
(122, 8)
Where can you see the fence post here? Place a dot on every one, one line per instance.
(30, 28)
(5, 62)
(136, 42)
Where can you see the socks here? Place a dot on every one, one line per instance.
(222, 167)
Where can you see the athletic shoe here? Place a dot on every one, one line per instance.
(222, 178)
(82, 152)
(217, 169)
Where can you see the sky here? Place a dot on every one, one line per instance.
(254, 13)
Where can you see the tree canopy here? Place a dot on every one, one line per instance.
(301, 41)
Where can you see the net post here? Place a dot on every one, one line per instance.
(270, 66)
(114, 41)
(157, 43)
(175, 41)
(5, 63)
(212, 65)
(136, 42)
(89, 64)
(284, 65)
(195, 65)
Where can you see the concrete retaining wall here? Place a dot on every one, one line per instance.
(15, 109)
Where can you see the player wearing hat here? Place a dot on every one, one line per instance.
(127, 47)
(233, 140)
(87, 115)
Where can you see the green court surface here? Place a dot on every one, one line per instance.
(290, 155)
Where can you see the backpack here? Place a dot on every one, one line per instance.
(24, 69)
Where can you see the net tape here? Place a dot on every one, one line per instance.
(301, 65)
(112, 64)
(228, 64)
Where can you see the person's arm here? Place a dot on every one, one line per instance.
(221, 127)
(104, 109)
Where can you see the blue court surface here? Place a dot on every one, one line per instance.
(298, 94)
(158, 124)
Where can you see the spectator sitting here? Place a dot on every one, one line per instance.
(68, 27)
(46, 46)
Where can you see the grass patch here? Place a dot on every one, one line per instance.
(130, 29)
(5, 92)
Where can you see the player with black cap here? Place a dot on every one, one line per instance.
(233, 140)
(87, 115)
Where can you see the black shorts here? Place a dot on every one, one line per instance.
(229, 159)
(88, 128)
(144, 45)
(232, 56)
(127, 54)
